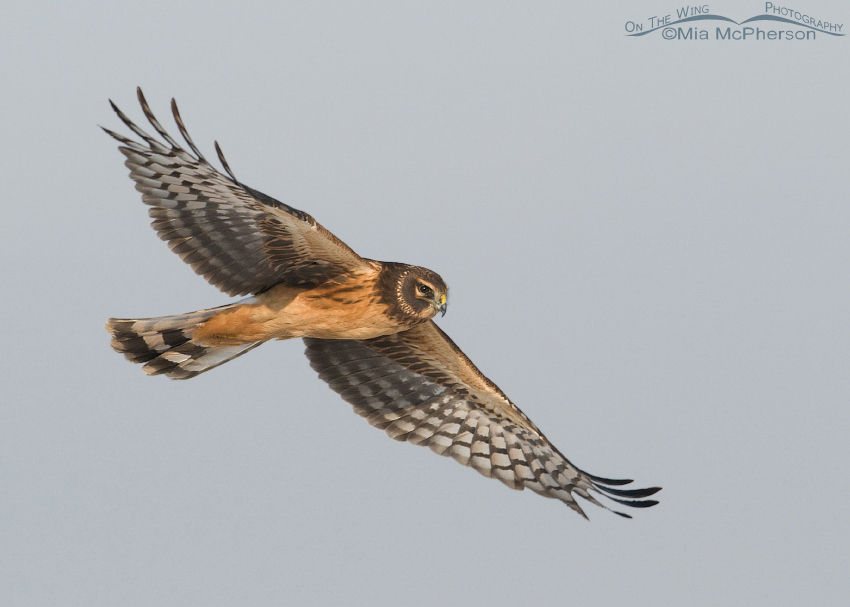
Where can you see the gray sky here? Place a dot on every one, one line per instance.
(647, 247)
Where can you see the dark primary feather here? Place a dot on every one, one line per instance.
(237, 238)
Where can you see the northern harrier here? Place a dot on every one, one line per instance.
(367, 324)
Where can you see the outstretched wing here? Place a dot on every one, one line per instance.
(419, 387)
(238, 239)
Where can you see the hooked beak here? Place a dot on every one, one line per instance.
(443, 305)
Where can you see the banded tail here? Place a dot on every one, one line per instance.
(165, 344)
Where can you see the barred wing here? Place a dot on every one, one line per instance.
(237, 238)
(419, 387)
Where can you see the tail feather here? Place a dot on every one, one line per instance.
(165, 344)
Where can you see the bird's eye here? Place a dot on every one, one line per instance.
(425, 289)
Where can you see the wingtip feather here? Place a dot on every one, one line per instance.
(630, 493)
(635, 503)
(223, 161)
(185, 133)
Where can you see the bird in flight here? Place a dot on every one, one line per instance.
(368, 325)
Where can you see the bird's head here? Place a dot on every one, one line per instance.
(424, 292)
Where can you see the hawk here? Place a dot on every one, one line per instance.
(368, 325)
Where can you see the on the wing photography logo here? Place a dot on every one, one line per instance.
(779, 22)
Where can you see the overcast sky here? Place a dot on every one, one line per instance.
(647, 246)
